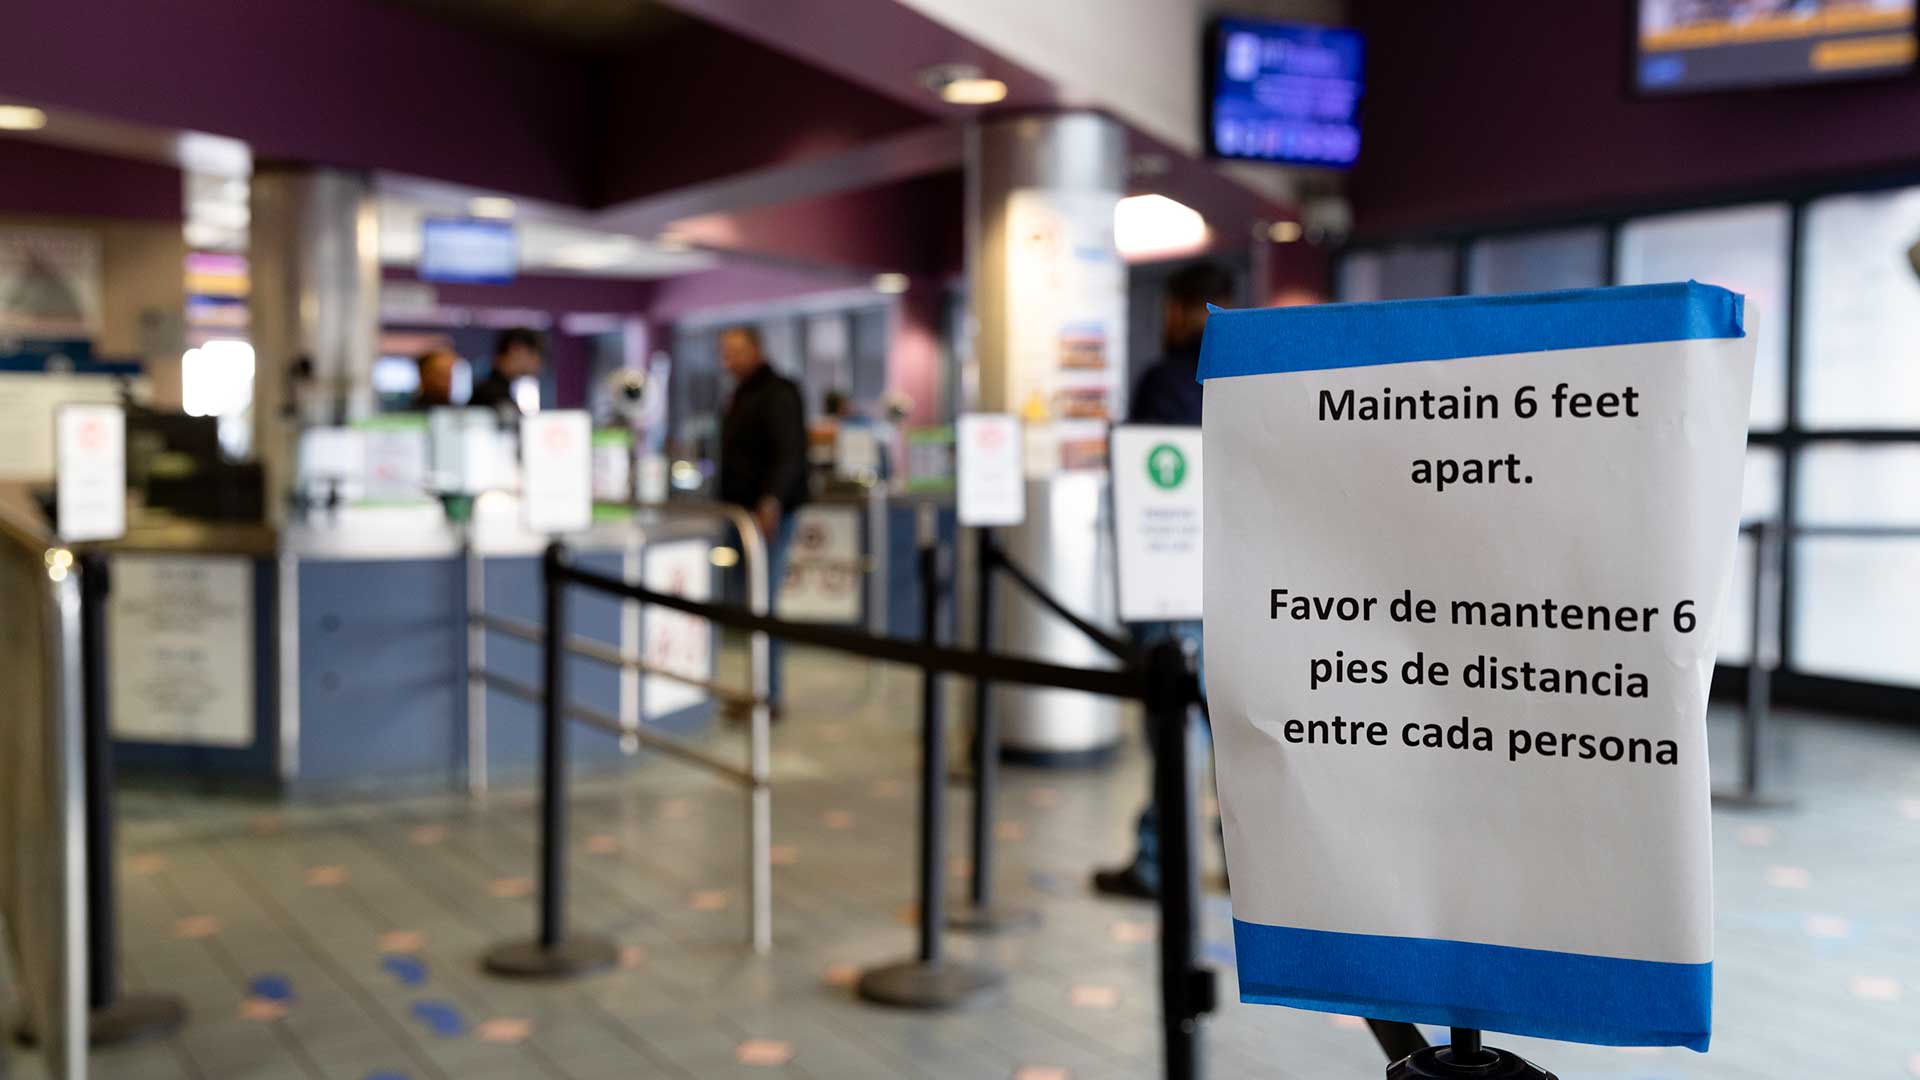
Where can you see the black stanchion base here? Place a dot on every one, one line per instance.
(992, 919)
(1437, 1062)
(912, 984)
(128, 1020)
(569, 959)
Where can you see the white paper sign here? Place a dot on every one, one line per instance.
(1465, 562)
(90, 462)
(180, 633)
(991, 483)
(464, 450)
(556, 470)
(1157, 512)
(676, 641)
(823, 570)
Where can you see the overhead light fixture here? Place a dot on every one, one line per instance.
(1284, 232)
(963, 84)
(891, 282)
(1156, 227)
(490, 206)
(21, 118)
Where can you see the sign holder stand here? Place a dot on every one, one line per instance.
(1465, 1056)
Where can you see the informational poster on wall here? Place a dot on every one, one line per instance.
(1066, 324)
(991, 482)
(180, 630)
(556, 470)
(49, 284)
(1465, 565)
(676, 641)
(90, 472)
(823, 580)
(1157, 513)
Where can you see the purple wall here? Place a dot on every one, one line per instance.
(548, 292)
(45, 179)
(1505, 110)
(346, 82)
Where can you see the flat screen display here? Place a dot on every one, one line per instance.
(469, 250)
(1284, 92)
(1687, 45)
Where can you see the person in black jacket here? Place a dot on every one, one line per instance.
(516, 354)
(1168, 393)
(763, 456)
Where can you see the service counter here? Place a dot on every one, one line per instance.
(332, 657)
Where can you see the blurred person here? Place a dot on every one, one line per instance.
(436, 378)
(763, 458)
(1168, 393)
(516, 355)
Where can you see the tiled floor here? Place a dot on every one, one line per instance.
(341, 941)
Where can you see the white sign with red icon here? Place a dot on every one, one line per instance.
(991, 485)
(556, 470)
(675, 641)
(90, 463)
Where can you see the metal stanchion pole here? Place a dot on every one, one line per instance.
(553, 954)
(114, 1017)
(981, 914)
(759, 739)
(1753, 791)
(1186, 989)
(930, 981)
(476, 568)
(1462, 1057)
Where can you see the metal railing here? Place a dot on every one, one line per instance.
(43, 863)
(755, 776)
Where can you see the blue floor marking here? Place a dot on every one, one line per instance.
(410, 970)
(441, 1018)
(271, 987)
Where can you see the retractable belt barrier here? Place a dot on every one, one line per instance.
(1162, 679)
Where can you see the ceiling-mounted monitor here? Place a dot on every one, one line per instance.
(1693, 45)
(1283, 92)
(468, 251)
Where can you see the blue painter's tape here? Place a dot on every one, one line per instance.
(1267, 341)
(1549, 995)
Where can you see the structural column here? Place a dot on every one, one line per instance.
(1049, 301)
(314, 263)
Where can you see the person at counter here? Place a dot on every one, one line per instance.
(436, 379)
(1168, 393)
(763, 457)
(516, 355)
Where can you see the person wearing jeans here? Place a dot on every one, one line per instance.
(1168, 393)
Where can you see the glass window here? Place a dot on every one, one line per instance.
(1736, 621)
(1859, 485)
(1851, 621)
(1760, 495)
(1538, 261)
(1862, 303)
(1399, 273)
(1743, 248)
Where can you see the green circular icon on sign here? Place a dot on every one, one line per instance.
(1166, 466)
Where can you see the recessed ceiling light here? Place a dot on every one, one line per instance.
(490, 206)
(21, 118)
(963, 84)
(890, 282)
(1283, 232)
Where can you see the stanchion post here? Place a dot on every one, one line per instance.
(1186, 989)
(553, 954)
(1753, 791)
(981, 914)
(930, 981)
(113, 1017)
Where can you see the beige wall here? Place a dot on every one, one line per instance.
(142, 269)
